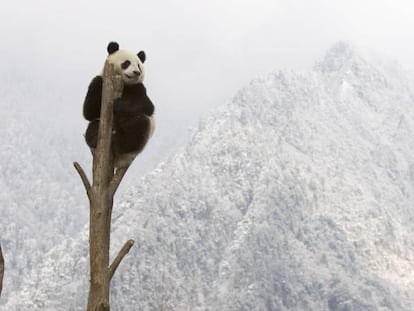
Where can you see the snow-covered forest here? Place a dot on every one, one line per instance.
(280, 177)
(296, 195)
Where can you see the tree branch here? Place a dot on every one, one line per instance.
(83, 176)
(1, 270)
(103, 168)
(124, 250)
(116, 179)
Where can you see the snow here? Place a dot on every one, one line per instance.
(37, 206)
(296, 195)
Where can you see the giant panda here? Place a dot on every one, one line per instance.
(133, 122)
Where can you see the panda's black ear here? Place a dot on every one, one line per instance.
(112, 47)
(142, 57)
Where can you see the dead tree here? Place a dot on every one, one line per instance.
(101, 197)
(1, 270)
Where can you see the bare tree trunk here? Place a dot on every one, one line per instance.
(101, 194)
(1, 270)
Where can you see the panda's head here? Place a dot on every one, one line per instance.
(128, 64)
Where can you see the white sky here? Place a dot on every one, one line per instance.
(199, 52)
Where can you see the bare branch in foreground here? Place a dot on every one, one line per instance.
(83, 176)
(124, 250)
(1, 270)
(116, 179)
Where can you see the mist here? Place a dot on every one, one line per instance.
(199, 53)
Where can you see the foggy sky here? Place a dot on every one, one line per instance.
(199, 53)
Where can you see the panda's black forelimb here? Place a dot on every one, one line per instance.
(134, 101)
(92, 103)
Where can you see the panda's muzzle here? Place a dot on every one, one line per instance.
(136, 74)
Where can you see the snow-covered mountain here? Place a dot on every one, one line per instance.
(39, 200)
(296, 195)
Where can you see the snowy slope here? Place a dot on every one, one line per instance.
(39, 205)
(296, 195)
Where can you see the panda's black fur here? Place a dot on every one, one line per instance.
(133, 111)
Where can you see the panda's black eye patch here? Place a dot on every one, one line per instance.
(125, 64)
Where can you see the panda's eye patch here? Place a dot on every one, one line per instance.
(125, 64)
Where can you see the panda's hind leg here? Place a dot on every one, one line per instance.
(130, 139)
(91, 135)
(121, 159)
(124, 160)
(134, 134)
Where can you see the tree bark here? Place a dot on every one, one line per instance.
(100, 194)
(1, 270)
(100, 199)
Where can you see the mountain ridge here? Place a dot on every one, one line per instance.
(296, 195)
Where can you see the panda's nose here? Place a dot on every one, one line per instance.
(136, 73)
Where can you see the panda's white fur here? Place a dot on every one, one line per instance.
(134, 73)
